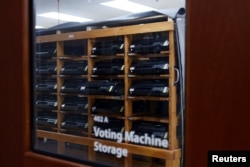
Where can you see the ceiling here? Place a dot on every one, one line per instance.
(91, 9)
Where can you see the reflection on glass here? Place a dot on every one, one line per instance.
(109, 81)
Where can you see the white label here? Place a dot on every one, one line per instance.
(122, 67)
(131, 89)
(110, 89)
(71, 35)
(165, 66)
(165, 90)
(121, 47)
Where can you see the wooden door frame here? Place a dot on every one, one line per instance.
(217, 68)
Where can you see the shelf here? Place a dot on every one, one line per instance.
(107, 57)
(116, 31)
(78, 132)
(41, 110)
(73, 94)
(160, 76)
(149, 118)
(106, 97)
(148, 98)
(132, 148)
(74, 76)
(46, 93)
(49, 129)
(46, 59)
(73, 112)
(76, 58)
(108, 76)
(45, 75)
(152, 55)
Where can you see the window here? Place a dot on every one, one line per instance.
(109, 82)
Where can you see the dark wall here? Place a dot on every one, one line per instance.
(12, 95)
(217, 111)
(218, 71)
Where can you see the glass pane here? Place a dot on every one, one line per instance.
(109, 81)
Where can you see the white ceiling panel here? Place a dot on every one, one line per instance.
(91, 9)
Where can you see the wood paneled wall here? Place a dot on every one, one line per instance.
(218, 71)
